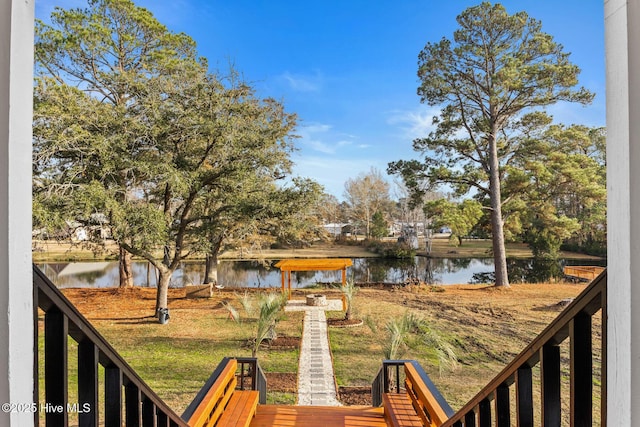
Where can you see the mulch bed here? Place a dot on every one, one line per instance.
(343, 323)
(286, 382)
(284, 343)
(355, 396)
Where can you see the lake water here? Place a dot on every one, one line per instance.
(264, 275)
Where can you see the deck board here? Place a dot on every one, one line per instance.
(318, 416)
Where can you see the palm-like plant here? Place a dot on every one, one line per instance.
(233, 313)
(269, 307)
(445, 353)
(246, 300)
(349, 291)
(398, 329)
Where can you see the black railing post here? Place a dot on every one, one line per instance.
(470, 419)
(484, 413)
(397, 366)
(377, 388)
(503, 406)
(581, 371)
(550, 378)
(88, 383)
(112, 396)
(62, 323)
(241, 363)
(55, 367)
(255, 374)
(385, 378)
(575, 324)
(133, 406)
(524, 396)
(161, 419)
(148, 413)
(261, 385)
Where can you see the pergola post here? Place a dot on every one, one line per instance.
(282, 274)
(344, 282)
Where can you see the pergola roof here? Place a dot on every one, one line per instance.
(314, 264)
(286, 266)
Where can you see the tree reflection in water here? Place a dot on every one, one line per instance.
(374, 270)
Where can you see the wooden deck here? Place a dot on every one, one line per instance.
(583, 272)
(318, 416)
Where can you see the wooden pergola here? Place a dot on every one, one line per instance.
(286, 266)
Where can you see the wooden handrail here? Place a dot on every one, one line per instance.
(142, 406)
(209, 403)
(573, 323)
(423, 390)
(217, 391)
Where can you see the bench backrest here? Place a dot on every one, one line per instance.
(424, 402)
(210, 409)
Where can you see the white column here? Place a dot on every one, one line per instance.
(622, 34)
(16, 305)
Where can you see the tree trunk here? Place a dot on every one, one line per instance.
(124, 267)
(347, 314)
(497, 230)
(163, 288)
(211, 266)
(211, 272)
(211, 269)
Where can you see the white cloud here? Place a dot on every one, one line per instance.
(315, 128)
(321, 138)
(311, 136)
(414, 124)
(303, 83)
(320, 146)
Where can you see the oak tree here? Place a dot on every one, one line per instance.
(88, 141)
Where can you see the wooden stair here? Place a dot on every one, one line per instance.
(317, 416)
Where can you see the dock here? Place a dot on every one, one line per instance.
(583, 272)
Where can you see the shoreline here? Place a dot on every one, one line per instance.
(55, 251)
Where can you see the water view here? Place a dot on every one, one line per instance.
(258, 274)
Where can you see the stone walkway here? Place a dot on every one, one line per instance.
(316, 384)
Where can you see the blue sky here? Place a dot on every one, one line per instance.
(348, 68)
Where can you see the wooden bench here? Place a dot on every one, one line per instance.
(240, 409)
(417, 407)
(398, 411)
(223, 405)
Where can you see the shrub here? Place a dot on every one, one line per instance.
(391, 250)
